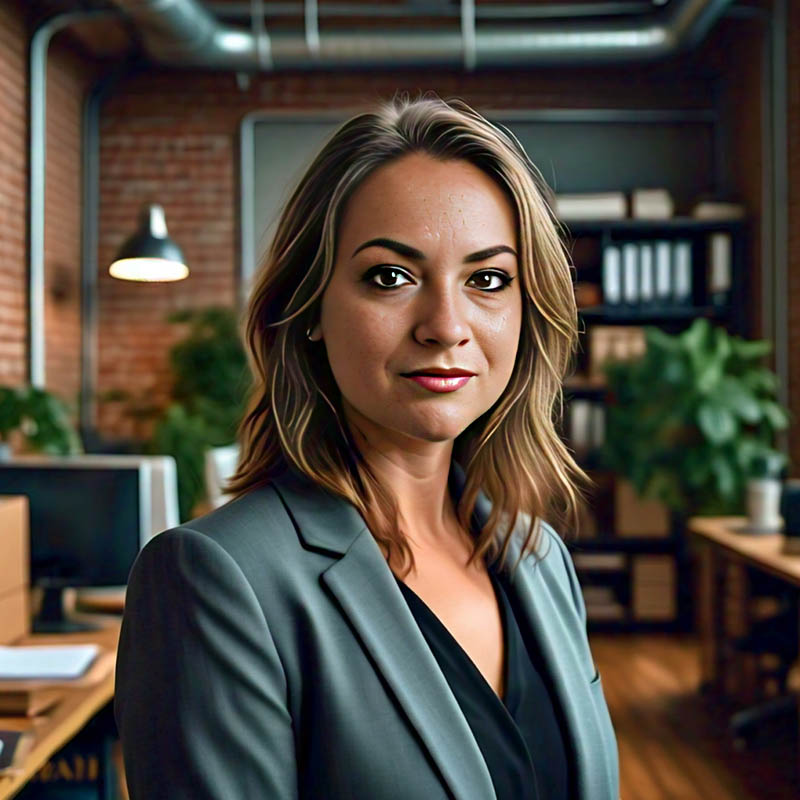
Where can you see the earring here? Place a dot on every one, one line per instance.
(308, 334)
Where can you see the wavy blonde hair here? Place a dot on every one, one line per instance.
(513, 452)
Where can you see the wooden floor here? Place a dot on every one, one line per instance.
(673, 742)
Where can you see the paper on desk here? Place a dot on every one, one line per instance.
(46, 661)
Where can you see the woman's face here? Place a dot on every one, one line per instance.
(421, 280)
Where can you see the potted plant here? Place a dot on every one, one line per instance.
(211, 382)
(39, 419)
(688, 422)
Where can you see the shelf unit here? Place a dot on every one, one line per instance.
(621, 588)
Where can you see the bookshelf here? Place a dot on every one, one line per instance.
(639, 579)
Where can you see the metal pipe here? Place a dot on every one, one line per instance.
(90, 152)
(184, 33)
(566, 11)
(37, 156)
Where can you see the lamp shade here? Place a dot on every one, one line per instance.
(150, 255)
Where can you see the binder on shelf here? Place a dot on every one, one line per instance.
(612, 275)
(597, 425)
(682, 272)
(719, 268)
(663, 272)
(580, 413)
(647, 285)
(630, 273)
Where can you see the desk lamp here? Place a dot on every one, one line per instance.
(150, 255)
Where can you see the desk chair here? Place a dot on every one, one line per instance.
(777, 636)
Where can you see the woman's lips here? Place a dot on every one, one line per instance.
(439, 383)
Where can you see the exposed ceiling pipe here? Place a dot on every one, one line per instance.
(184, 33)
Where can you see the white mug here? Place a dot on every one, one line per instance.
(764, 503)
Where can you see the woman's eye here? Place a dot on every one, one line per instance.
(389, 277)
(390, 274)
(504, 281)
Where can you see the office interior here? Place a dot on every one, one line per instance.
(668, 132)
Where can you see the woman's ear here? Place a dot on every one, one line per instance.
(314, 334)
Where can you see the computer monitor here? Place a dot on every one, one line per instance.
(89, 517)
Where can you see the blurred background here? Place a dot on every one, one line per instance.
(146, 149)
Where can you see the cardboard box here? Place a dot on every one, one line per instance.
(635, 516)
(15, 619)
(653, 583)
(614, 343)
(14, 568)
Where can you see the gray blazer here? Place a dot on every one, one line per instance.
(267, 652)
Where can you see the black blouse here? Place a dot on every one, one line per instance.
(520, 736)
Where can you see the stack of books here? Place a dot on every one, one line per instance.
(32, 677)
(652, 204)
(716, 210)
(602, 604)
(598, 205)
(614, 343)
(653, 588)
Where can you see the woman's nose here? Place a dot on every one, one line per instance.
(441, 318)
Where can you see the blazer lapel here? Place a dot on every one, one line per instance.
(541, 619)
(542, 626)
(365, 588)
(368, 595)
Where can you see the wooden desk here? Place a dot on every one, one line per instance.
(53, 729)
(726, 551)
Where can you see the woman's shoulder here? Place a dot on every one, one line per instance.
(245, 529)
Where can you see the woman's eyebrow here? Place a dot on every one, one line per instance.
(417, 255)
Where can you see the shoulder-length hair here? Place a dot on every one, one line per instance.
(512, 453)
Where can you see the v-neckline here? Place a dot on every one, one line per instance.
(505, 624)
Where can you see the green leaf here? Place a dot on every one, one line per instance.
(10, 410)
(761, 381)
(709, 374)
(751, 349)
(657, 339)
(733, 393)
(716, 422)
(697, 467)
(695, 338)
(775, 414)
(724, 475)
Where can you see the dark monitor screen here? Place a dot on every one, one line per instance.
(84, 522)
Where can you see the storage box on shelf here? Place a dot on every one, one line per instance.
(14, 580)
(633, 273)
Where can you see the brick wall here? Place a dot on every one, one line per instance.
(69, 74)
(13, 165)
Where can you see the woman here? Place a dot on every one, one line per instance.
(382, 611)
